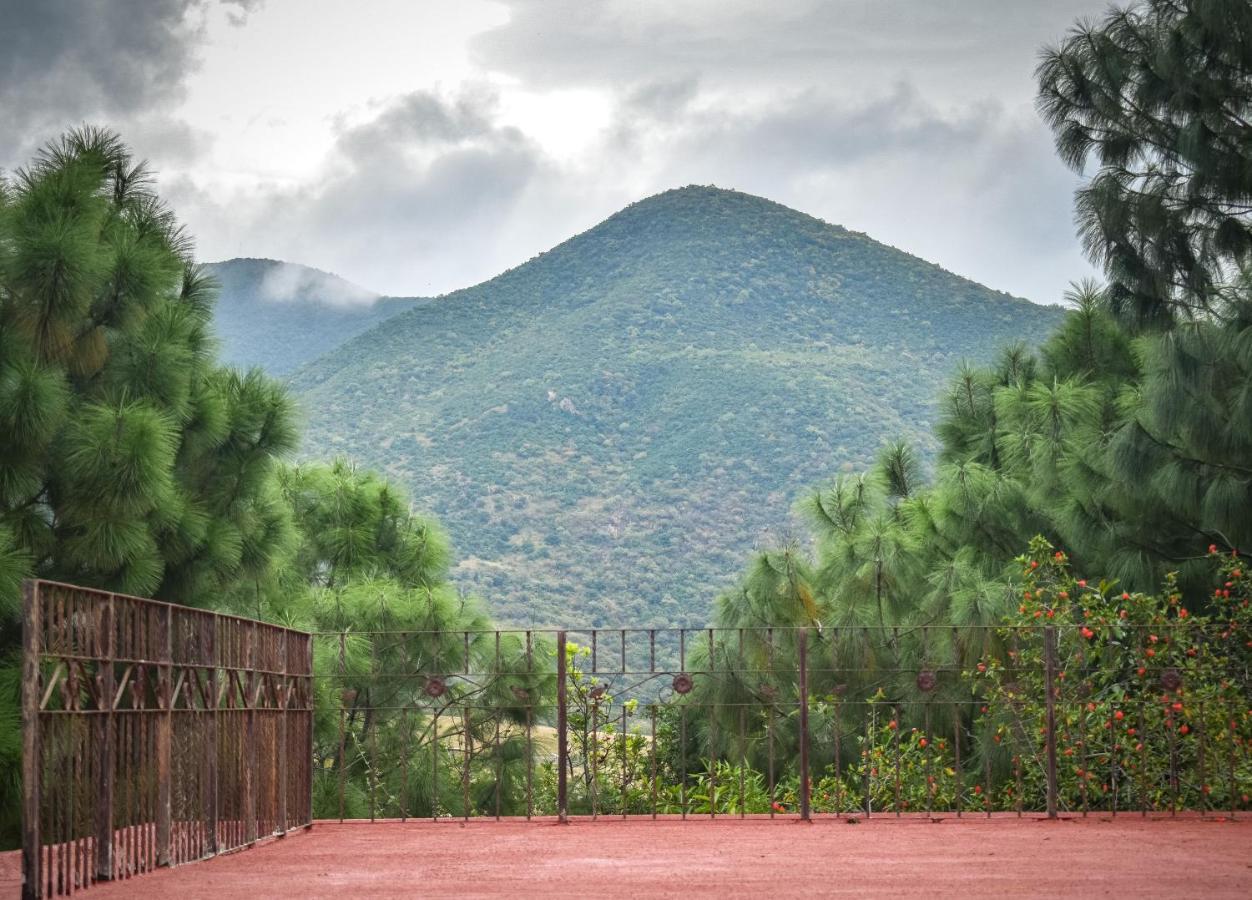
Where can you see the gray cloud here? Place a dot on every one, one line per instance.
(957, 43)
(417, 196)
(911, 121)
(121, 62)
(433, 193)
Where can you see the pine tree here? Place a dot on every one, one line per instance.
(1157, 96)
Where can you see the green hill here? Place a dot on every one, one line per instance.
(607, 429)
(280, 315)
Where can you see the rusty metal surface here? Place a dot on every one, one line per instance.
(155, 735)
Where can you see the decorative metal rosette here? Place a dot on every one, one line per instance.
(683, 683)
(927, 681)
(435, 686)
(1171, 679)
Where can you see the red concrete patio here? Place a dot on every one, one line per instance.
(1004, 856)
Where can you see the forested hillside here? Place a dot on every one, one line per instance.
(606, 429)
(281, 315)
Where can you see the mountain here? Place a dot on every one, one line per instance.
(609, 428)
(280, 315)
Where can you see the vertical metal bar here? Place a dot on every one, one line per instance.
(1049, 686)
(530, 747)
(250, 756)
(682, 758)
(956, 759)
(1086, 769)
(211, 736)
(343, 718)
(562, 745)
(769, 721)
(307, 717)
(652, 745)
(712, 733)
(434, 765)
(495, 680)
(106, 736)
(1201, 742)
(802, 643)
(986, 776)
(895, 742)
(164, 732)
(743, 753)
(32, 786)
(928, 754)
(594, 783)
(467, 744)
(1143, 771)
(1232, 721)
(284, 698)
(371, 722)
(404, 763)
(622, 740)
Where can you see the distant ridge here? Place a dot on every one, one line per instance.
(281, 315)
(610, 427)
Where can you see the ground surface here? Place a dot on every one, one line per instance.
(639, 859)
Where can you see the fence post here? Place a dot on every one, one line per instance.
(211, 748)
(164, 727)
(284, 698)
(249, 763)
(1049, 680)
(105, 739)
(31, 773)
(562, 748)
(802, 641)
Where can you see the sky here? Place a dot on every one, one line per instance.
(414, 147)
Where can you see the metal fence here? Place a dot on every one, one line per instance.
(792, 722)
(154, 735)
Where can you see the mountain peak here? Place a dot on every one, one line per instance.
(607, 428)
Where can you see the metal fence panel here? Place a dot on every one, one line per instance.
(154, 735)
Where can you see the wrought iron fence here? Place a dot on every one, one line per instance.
(794, 722)
(154, 735)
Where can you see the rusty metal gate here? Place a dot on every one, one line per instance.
(154, 735)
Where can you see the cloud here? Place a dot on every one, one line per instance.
(285, 283)
(116, 62)
(433, 191)
(417, 195)
(956, 43)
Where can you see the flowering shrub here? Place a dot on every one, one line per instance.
(1151, 697)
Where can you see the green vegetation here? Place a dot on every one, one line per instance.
(280, 315)
(606, 429)
(133, 461)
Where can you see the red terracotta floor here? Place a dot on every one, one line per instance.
(975, 857)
